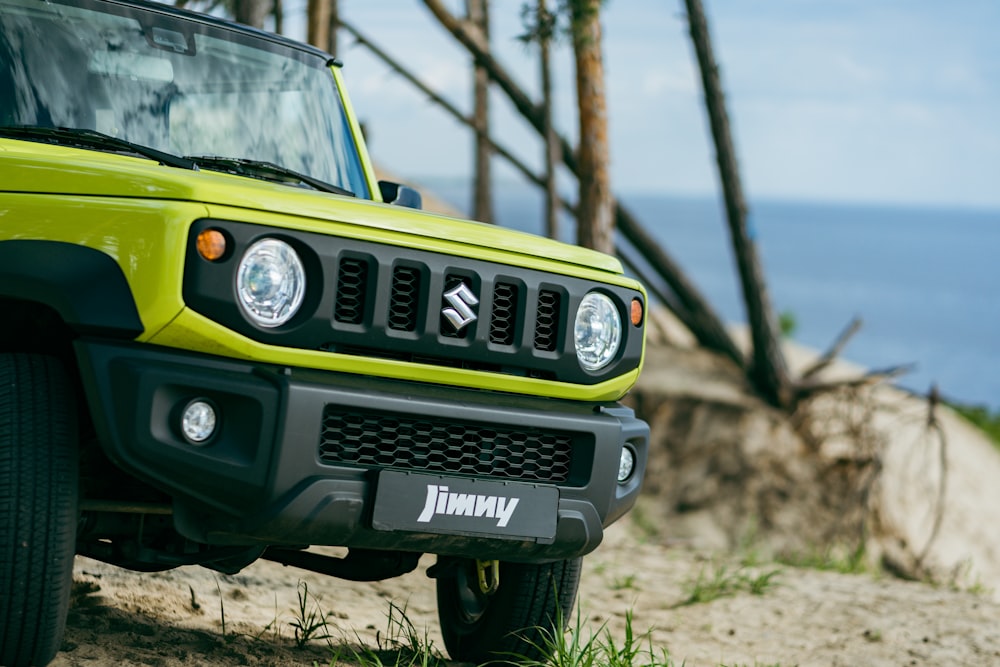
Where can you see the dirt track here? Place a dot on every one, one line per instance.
(805, 617)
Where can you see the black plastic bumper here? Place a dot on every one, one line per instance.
(261, 480)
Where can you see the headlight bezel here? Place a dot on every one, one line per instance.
(294, 295)
(596, 356)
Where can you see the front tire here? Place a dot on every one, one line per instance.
(38, 507)
(530, 607)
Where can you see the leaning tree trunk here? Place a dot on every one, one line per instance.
(595, 222)
(768, 370)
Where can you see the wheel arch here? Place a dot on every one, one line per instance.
(85, 287)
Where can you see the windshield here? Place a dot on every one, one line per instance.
(177, 85)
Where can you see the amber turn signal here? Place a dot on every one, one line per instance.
(636, 312)
(212, 245)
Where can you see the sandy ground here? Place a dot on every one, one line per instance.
(805, 617)
(192, 616)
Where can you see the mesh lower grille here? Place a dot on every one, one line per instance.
(373, 440)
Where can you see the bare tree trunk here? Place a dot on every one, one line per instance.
(251, 12)
(482, 196)
(331, 41)
(595, 225)
(279, 16)
(548, 131)
(318, 23)
(768, 370)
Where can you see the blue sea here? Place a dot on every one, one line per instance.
(922, 280)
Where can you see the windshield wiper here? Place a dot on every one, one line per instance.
(84, 138)
(264, 170)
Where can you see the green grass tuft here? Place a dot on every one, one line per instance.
(722, 582)
(399, 646)
(626, 582)
(573, 649)
(983, 418)
(309, 622)
(830, 559)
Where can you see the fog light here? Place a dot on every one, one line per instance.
(626, 465)
(198, 421)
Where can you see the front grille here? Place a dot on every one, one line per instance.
(380, 301)
(375, 440)
(404, 301)
(504, 316)
(547, 321)
(352, 279)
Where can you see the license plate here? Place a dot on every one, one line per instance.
(417, 502)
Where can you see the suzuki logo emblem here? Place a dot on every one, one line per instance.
(461, 300)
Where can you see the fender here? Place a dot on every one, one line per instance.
(85, 286)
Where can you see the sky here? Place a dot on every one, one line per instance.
(889, 101)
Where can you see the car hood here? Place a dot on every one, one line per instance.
(32, 167)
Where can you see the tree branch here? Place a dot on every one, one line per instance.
(834, 351)
(809, 390)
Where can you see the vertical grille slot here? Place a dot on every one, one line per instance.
(352, 284)
(503, 321)
(547, 320)
(404, 299)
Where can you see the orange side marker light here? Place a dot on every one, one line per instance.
(212, 245)
(636, 312)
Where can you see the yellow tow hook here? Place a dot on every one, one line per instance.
(489, 576)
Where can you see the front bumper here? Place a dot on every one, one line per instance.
(274, 474)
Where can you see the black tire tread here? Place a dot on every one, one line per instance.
(38, 507)
(545, 598)
(532, 606)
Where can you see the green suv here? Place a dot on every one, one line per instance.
(222, 339)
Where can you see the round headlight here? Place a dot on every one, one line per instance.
(270, 283)
(598, 331)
